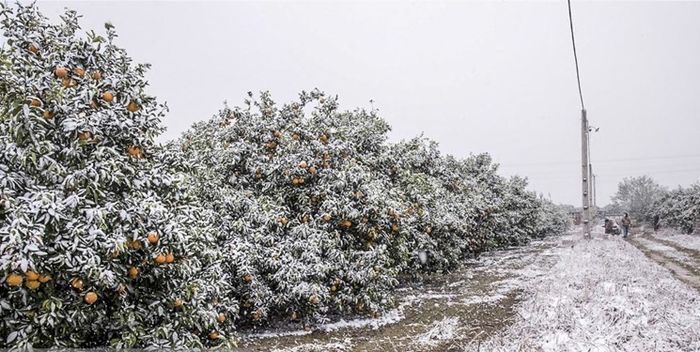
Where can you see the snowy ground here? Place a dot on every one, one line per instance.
(604, 295)
(562, 294)
(445, 312)
(691, 242)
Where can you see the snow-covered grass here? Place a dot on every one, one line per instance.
(685, 241)
(442, 330)
(603, 295)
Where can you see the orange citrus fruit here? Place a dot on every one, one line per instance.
(108, 97)
(14, 280)
(153, 237)
(61, 72)
(90, 297)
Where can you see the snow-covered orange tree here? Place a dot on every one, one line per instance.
(303, 214)
(96, 235)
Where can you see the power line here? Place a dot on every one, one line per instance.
(573, 44)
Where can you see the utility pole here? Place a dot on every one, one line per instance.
(585, 176)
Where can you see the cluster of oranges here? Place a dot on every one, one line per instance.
(70, 79)
(90, 297)
(33, 280)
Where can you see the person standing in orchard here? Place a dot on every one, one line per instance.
(626, 222)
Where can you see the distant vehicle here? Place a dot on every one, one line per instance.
(611, 227)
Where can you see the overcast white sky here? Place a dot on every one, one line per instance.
(493, 77)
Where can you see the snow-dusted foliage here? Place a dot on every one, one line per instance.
(319, 214)
(262, 213)
(679, 208)
(99, 243)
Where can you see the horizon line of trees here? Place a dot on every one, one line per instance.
(648, 202)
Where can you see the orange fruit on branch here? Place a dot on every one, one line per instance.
(32, 284)
(47, 115)
(135, 151)
(314, 299)
(35, 103)
(169, 258)
(312, 170)
(32, 276)
(324, 138)
(277, 134)
(90, 297)
(14, 280)
(346, 224)
(153, 237)
(133, 272)
(283, 220)
(108, 96)
(159, 259)
(33, 48)
(221, 317)
(214, 335)
(76, 283)
(133, 106)
(44, 278)
(303, 164)
(178, 303)
(135, 244)
(327, 217)
(248, 278)
(61, 72)
(69, 82)
(96, 75)
(79, 71)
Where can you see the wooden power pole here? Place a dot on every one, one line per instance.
(585, 177)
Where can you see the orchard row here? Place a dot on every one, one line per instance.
(263, 213)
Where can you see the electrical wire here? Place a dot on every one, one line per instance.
(573, 44)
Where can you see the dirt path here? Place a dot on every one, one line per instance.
(443, 313)
(684, 263)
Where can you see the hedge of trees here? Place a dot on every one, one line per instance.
(261, 213)
(679, 208)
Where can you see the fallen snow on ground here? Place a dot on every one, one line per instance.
(441, 330)
(666, 250)
(390, 317)
(603, 295)
(685, 241)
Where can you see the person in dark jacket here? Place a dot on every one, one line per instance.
(626, 223)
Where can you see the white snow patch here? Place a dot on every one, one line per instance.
(273, 334)
(483, 299)
(390, 317)
(445, 329)
(685, 241)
